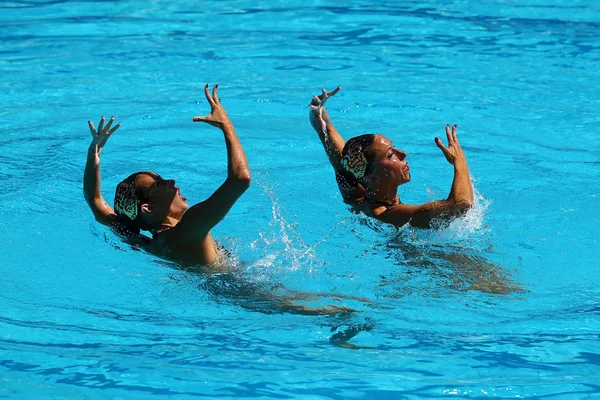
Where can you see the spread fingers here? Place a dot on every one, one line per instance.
(337, 89)
(439, 144)
(114, 128)
(214, 94)
(92, 129)
(449, 135)
(110, 121)
(208, 98)
(454, 128)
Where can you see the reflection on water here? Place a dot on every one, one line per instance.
(453, 255)
(227, 283)
(453, 267)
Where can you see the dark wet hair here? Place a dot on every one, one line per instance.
(128, 199)
(357, 161)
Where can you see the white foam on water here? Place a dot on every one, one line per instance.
(281, 247)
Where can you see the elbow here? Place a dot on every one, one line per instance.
(467, 201)
(242, 179)
(89, 198)
(245, 181)
(458, 206)
(245, 178)
(87, 193)
(462, 206)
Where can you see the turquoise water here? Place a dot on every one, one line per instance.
(503, 303)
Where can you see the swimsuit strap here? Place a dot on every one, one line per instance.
(160, 230)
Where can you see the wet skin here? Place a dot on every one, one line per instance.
(389, 165)
(164, 198)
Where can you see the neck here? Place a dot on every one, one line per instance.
(389, 197)
(167, 224)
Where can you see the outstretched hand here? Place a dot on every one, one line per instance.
(217, 117)
(317, 103)
(453, 152)
(101, 135)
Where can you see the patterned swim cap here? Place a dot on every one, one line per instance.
(127, 202)
(355, 156)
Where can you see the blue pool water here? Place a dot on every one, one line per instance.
(501, 304)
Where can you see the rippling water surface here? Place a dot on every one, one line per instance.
(503, 303)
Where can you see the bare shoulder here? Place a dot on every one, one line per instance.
(173, 244)
(398, 215)
(360, 204)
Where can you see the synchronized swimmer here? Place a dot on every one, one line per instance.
(368, 168)
(146, 202)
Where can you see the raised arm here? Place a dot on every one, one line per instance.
(332, 141)
(461, 192)
(91, 176)
(202, 217)
(459, 200)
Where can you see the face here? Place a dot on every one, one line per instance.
(162, 196)
(389, 165)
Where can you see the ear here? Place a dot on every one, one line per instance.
(146, 208)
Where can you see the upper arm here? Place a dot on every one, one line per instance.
(102, 211)
(202, 217)
(419, 216)
(332, 141)
(352, 195)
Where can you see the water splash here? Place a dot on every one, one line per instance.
(281, 247)
(466, 228)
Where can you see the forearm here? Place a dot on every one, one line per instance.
(332, 141)
(91, 177)
(462, 189)
(237, 164)
(440, 210)
(91, 188)
(421, 216)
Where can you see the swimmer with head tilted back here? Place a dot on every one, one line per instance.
(146, 202)
(369, 170)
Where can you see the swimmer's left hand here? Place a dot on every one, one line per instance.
(101, 135)
(454, 153)
(217, 117)
(317, 104)
(319, 101)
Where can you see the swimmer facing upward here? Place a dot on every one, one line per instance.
(146, 201)
(369, 170)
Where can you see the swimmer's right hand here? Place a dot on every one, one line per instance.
(217, 117)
